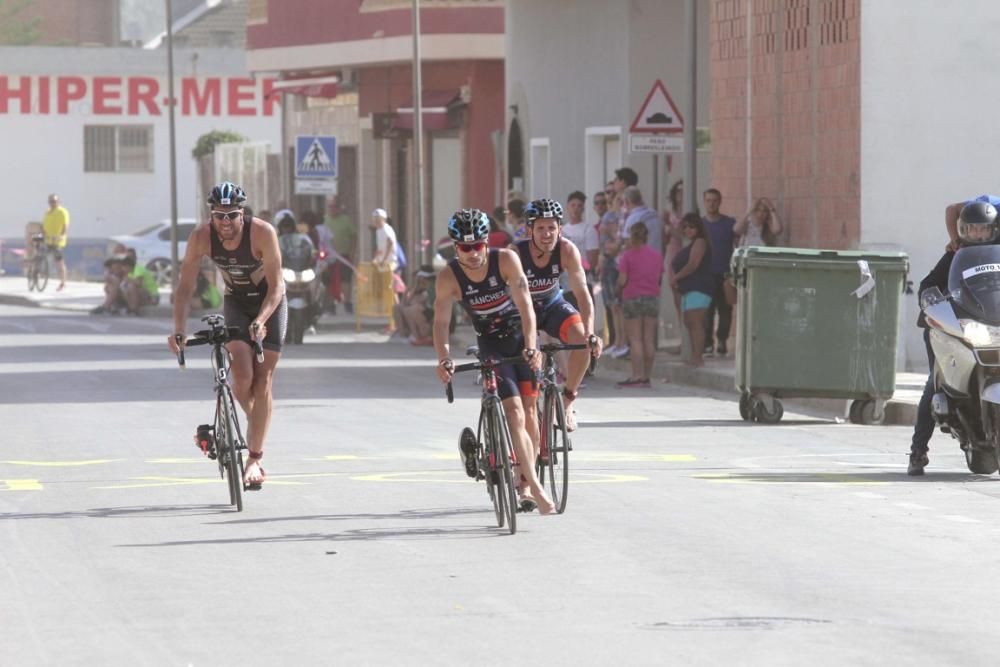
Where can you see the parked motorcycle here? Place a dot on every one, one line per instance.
(965, 337)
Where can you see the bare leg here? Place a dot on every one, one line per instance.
(620, 339)
(579, 361)
(695, 321)
(634, 329)
(522, 450)
(648, 345)
(62, 273)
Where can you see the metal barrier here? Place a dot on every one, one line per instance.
(373, 295)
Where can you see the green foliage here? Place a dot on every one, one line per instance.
(206, 143)
(15, 28)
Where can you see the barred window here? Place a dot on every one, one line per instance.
(118, 148)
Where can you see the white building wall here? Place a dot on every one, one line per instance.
(44, 153)
(574, 64)
(929, 104)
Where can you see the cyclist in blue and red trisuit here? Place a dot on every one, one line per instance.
(490, 285)
(545, 255)
(246, 252)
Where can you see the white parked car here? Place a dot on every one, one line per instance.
(152, 246)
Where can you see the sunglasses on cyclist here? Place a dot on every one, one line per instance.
(471, 247)
(222, 215)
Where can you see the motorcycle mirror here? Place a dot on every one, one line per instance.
(930, 296)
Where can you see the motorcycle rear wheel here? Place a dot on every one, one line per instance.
(981, 461)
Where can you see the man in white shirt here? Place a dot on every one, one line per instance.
(583, 235)
(385, 241)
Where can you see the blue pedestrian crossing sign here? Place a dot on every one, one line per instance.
(315, 157)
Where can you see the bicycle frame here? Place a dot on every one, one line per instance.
(554, 444)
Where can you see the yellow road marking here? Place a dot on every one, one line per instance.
(21, 484)
(177, 460)
(439, 477)
(151, 482)
(60, 464)
(825, 479)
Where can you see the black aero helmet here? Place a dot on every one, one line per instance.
(543, 208)
(227, 193)
(977, 223)
(468, 225)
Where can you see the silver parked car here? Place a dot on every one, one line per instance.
(152, 246)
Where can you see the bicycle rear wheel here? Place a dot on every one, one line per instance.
(503, 445)
(231, 457)
(41, 272)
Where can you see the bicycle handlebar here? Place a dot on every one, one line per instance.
(558, 347)
(479, 365)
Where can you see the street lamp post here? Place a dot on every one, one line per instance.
(423, 233)
(173, 149)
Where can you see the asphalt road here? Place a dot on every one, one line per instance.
(690, 537)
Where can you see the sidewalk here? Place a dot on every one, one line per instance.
(717, 374)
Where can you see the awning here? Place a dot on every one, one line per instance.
(311, 86)
(435, 105)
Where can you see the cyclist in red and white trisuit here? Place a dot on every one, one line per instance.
(546, 255)
(490, 285)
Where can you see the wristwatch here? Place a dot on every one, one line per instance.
(592, 340)
(530, 352)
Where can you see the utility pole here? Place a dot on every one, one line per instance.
(423, 229)
(174, 271)
(690, 109)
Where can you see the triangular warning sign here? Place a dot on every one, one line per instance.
(316, 158)
(658, 113)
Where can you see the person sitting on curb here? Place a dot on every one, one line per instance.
(414, 314)
(128, 287)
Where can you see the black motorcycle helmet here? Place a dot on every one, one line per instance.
(978, 224)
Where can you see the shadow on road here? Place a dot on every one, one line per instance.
(860, 478)
(163, 511)
(694, 423)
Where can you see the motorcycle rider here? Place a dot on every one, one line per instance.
(973, 222)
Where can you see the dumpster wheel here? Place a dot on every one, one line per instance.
(763, 415)
(863, 412)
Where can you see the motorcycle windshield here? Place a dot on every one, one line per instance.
(296, 252)
(974, 282)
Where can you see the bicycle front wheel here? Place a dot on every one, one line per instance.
(559, 448)
(487, 463)
(232, 458)
(503, 444)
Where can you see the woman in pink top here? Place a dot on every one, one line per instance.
(640, 270)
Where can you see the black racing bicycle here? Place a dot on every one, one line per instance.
(494, 448)
(554, 444)
(37, 268)
(222, 440)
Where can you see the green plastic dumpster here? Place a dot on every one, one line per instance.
(816, 323)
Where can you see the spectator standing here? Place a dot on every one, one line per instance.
(721, 238)
(384, 255)
(344, 244)
(584, 236)
(760, 226)
(608, 277)
(673, 235)
(55, 224)
(691, 277)
(516, 224)
(640, 273)
(636, 212)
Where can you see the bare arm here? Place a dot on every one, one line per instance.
(264, 238)
(513, 274)
(578, 284)
(740, 228)
(197, 247)
(446, 293)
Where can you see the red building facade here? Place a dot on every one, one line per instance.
(795, 136)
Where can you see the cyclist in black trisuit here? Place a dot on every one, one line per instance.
(247, 254)
(490, 285)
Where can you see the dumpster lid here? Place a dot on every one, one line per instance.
(750, 255)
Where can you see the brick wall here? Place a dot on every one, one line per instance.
(805, 113)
